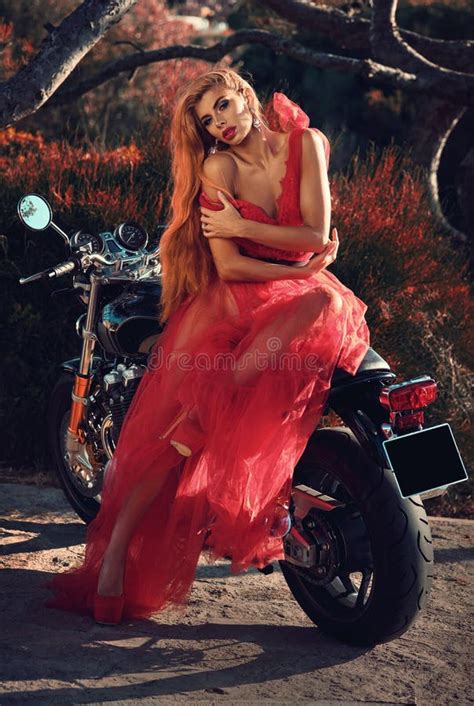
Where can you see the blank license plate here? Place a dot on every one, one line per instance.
(424, 460)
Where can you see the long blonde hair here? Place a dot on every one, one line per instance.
(186, 259)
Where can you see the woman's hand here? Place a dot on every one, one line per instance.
(324, 258)
(225, 223)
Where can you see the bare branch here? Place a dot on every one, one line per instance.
(426, 140)
(352, 33)
(387, 44)
(459, 91)
(433, 187)
(60, 53)
(389, 47)
(134, 45)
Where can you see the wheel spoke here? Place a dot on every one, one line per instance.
(348, 585)
(364, 585)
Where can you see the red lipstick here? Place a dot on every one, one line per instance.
(229, 132)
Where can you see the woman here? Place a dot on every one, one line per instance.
(237, 382)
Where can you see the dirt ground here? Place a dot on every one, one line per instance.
(243, 639)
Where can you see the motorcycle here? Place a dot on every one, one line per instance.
(358, 548)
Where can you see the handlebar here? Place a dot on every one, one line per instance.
(100, 259)
(75, 263)
(62, 269)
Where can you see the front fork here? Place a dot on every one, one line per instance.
(75, 441)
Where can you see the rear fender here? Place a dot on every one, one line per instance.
(357, 404)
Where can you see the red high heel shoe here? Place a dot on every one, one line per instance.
(108, 609)
(186, 430)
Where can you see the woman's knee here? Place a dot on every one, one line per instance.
(322, 300)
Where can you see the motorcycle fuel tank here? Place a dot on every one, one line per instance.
(128, 325)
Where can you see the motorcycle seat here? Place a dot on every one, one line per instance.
(372, 362)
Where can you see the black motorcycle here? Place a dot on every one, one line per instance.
(358, 550)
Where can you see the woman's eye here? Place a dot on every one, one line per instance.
(223, 104)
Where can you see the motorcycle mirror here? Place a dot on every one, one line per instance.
(35, 212)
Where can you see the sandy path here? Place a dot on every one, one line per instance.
(243, 639)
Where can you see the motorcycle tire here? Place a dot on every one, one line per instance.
(397, 535)
(58, 412)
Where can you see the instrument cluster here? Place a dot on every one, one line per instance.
(127, 239)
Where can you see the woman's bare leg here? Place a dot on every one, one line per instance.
(111, 574)
(275, 338)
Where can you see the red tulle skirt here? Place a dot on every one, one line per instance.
(254, 360)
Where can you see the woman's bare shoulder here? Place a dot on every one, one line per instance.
(221, 169)
(315, 148)
(312, 141)
(220, 163)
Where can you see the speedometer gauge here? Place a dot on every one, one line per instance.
(95, 242)
(131, 235)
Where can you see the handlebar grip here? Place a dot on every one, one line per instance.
(33, 278)
(62, 269)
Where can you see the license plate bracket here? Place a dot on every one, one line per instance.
(423, 460)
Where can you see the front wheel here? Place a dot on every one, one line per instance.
(83, 495)
(380, 559)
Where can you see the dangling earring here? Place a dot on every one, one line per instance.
(256, 122)
(213, 148)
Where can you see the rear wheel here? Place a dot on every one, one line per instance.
(377, 571)
(82, 493)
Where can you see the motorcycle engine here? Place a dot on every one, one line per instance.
(120, 385)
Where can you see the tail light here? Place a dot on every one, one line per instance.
(407, 400)
(413, 394)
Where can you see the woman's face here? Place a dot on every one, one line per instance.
(220, 109)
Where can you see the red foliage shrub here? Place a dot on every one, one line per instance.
(395, 257)
(105, 184)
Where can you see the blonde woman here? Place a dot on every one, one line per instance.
(254, 328)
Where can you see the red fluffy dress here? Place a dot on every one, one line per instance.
(284, 339)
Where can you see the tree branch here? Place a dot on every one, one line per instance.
(459, 89)
(60, 53)
(388, 46)
(352, 33)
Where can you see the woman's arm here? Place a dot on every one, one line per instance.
(282, 237)
(219, 169)
(230, 264)
(249, 269)
(315, 205)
